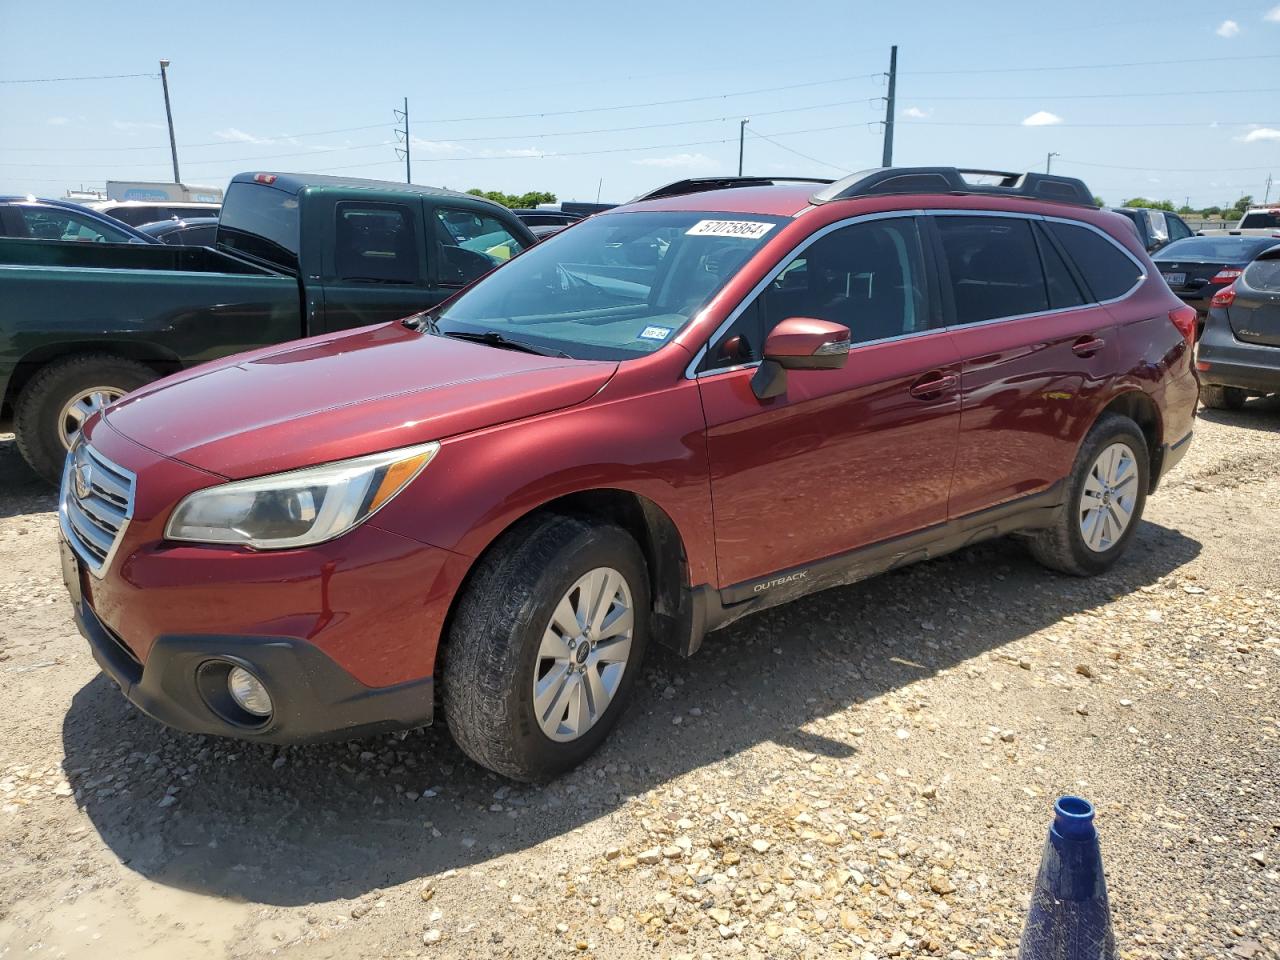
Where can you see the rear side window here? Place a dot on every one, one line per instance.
(1177, 229)
(375, 243)
(261, 222)
(1263, 275)
(1261, 219)
(1108, 271)
(994, 266)
(1063, 290)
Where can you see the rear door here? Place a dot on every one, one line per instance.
(376, 267)
(1034, 353)
(1254, 314)
(843, 458)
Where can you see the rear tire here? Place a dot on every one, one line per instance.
(504, 637)
(42, 413)
(1222, 398)
(1111, 476)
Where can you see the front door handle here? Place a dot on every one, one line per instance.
(1087, 346)
(932, 384)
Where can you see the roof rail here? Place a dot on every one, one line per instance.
(954, 180)
(699, 184)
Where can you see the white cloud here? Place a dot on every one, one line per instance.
(915, 113)
(690, 161)
(1041, 118)
(132, 126)
(234, 133)
(1260, 134)
(58, 121)
(436, 146)
(1272, 15)
(1227, 29)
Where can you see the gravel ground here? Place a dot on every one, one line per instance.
(867, 773)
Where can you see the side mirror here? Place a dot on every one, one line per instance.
(799, 343)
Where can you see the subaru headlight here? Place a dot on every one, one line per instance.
(298, 508)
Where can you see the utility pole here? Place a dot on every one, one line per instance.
(887, 159)
(1267, 197)
(403, 137)
(1048, 162)
(742, 138)
(168, 112)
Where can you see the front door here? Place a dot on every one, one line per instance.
(843, 458)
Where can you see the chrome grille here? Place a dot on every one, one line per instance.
(94, 506)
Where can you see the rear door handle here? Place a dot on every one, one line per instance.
(1088, 346)
(930, 385)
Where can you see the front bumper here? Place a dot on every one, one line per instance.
(183, 682)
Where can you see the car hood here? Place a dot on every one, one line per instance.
(334, 397)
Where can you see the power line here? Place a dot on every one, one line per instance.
(108, 76)
(1094, 96)
(1078, 66)
(1112, 166)
(783, 146)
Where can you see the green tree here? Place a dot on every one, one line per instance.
(515, 200)
(1243, 203)
(1098, 201)
(1152, 204)
(1211, 212)
(1185, 210)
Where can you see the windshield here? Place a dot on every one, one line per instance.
(612, 287)
(1216, 249)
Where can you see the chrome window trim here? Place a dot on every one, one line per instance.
(691, 370)
(64, 523)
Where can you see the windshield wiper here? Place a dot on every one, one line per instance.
(495, 339)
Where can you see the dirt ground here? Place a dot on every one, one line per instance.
(868, 772)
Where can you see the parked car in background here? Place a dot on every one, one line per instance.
(1198, 267)
(1239, 353)
(137, 212)
(1155, 228)
(278, 546)
(83, 324)
(28, 218)
(193, 232)
(1255, 222)
(546, 218)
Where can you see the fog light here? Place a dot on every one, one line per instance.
(248, 692)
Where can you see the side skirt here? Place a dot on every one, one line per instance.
(714, 609)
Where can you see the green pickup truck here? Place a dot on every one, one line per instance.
(82, 324)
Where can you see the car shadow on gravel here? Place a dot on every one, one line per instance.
(23, 491)
(327, 822)
(1260, 413)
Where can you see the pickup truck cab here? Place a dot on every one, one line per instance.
(294, 256)
(1255, 222)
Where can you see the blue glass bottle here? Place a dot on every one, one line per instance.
(1069, 918)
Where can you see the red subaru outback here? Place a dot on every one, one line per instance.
(721, 397)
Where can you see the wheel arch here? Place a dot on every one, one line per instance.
(666, 558)
(1142, 410)
(160, 360)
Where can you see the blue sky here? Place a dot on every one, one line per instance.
(1171, 99)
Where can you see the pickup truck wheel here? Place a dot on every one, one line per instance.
(61, 397)
(545, 646)
(1222, 398)
(1106, 492)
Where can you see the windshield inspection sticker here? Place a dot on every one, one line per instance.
(655, 333)
(748, 229)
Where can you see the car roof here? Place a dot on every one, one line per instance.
(193, 204)
(297, 182)
(775, 200)
(66, 204)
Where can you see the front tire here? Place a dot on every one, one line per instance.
(61, 397)
(1222, 398)
(1106, 494)
(545, 646)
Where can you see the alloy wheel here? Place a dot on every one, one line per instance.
(583, 654)
(1108, 498)
(80, 408)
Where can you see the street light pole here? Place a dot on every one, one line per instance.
(1048, 162)
(168, 112)
(742, 137)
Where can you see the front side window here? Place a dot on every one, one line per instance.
(867, 276)
(471, 244)
(1108, 272)
(51, 223)
(615, 286)
(1177, 229)
(375, 243)
(994, 267)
